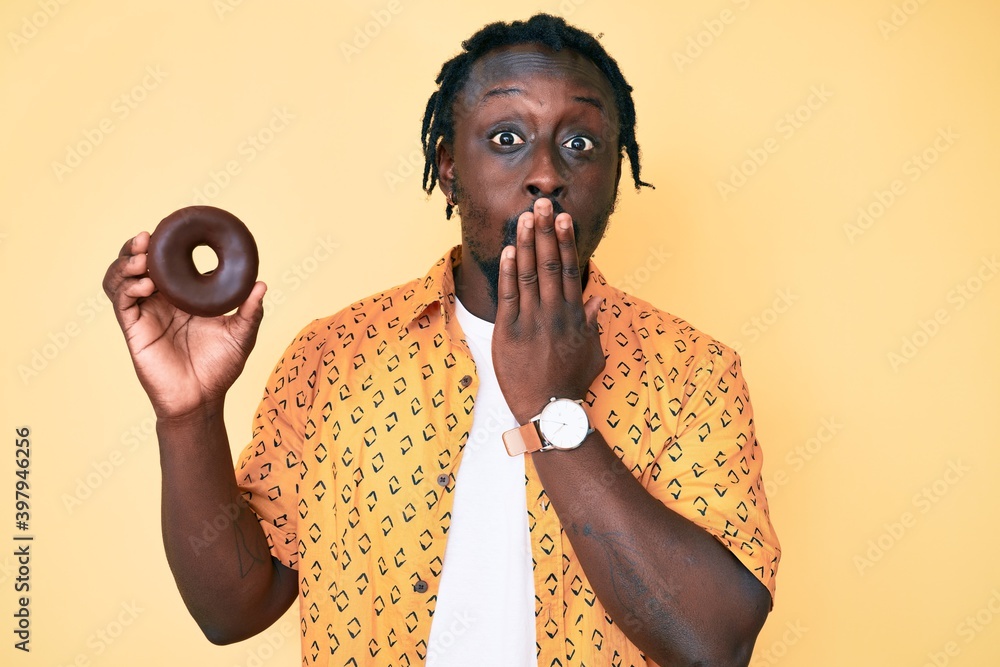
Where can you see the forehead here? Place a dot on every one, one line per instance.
(516, 67)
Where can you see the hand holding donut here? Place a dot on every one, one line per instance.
(184, 362)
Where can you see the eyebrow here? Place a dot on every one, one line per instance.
(501, 92)
(508, 92)
(593, 101)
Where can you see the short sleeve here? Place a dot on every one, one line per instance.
(270, 467)
(714, 464)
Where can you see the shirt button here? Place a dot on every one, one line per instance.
(443, 479)
(420, 586)
(465, 381)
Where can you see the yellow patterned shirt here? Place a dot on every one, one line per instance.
(358, 439)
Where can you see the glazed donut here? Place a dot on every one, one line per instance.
(172, 268)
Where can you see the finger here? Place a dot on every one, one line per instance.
(572, 287)
(131, 261)
(135, 245)
(527, 272)
(253, 307)
(549, 266)
(126, 282)
(245, 322)
(126, 299)
(507, 289)
(134, 289)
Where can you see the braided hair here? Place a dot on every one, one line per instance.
(551, 31)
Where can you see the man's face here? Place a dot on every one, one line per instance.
(531, 123)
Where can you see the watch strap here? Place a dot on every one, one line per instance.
(523, 439)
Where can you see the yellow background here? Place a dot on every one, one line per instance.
(874, 573)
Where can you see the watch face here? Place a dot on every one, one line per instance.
(563, 423)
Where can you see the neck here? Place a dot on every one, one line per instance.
(473, 291)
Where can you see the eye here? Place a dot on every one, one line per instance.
(579, 143)
(506, 138)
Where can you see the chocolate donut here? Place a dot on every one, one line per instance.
(171, 263)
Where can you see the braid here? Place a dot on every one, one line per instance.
(551, 31)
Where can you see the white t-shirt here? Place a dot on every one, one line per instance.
(485, 612)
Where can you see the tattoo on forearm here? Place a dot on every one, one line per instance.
(248, 553)
(632, 592)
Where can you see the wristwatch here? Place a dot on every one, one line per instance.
(562, 424)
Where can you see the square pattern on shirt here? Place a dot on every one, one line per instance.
(356, 442)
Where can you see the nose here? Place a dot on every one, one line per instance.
(546, 174)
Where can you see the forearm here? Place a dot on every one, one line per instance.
(677, 593)
(214, 543)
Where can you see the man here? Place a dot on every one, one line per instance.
(395, 481)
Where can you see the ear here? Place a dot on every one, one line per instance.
(618, 176)
(446, 169)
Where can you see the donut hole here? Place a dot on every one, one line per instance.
(205, 259)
